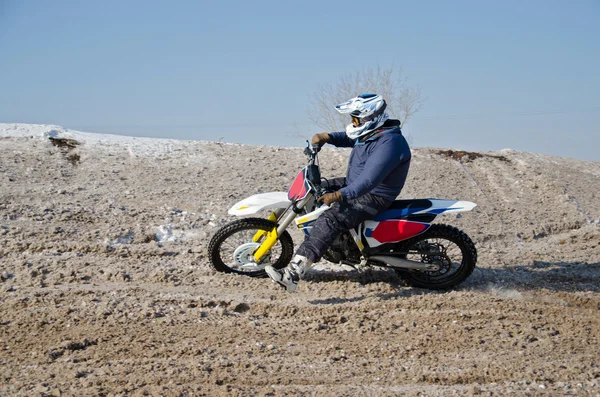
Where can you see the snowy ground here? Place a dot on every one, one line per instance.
(105, 288)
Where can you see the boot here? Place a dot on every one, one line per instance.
(289, 277)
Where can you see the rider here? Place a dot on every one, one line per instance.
(377, 170)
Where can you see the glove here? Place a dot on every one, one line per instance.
(320, 139)
(330, 198)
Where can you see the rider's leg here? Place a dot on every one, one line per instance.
(341, 217)
(292, 274)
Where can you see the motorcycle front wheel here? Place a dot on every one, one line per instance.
(446, 246)
(232, 248)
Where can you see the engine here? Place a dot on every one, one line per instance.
(343, 250)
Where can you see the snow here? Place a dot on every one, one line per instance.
(166, 233)
(137, 147)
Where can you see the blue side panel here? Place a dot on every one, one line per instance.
(395, 214)
(438, 211)
(368, 232)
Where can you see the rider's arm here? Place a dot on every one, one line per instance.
(384, 158)
(340, 139)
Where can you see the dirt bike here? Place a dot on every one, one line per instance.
(425, 255)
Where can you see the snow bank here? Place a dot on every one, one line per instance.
(137, 147)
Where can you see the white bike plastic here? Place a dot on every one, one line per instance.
(258, 202)
(447, 206)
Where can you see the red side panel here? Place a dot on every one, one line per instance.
(397, 230)
(299, 188)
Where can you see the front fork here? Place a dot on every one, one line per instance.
(274, 234)
(273, 218)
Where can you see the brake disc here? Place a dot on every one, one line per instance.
(244, 256)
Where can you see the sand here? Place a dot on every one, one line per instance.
(105, 286)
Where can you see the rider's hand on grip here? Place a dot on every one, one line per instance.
(330, 198)
(320, 139)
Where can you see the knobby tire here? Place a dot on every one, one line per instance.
(287, 245)
(444, 232)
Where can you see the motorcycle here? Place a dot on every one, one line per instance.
(425, 255)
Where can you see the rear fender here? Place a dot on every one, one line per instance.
(258, 202)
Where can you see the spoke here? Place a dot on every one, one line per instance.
(445, 252)
(239, 239)
(234, 247)
(245, 237)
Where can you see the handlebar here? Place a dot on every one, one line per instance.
(311, 150)
(313, 171)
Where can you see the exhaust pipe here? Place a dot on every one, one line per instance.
(394, 261)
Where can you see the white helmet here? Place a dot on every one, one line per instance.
(367, 112)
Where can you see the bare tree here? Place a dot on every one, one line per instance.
(403, 101)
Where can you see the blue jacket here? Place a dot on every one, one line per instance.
(378, 165)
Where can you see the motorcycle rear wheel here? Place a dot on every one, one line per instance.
(231, 248)
(446, 246)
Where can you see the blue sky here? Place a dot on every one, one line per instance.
(494, 75)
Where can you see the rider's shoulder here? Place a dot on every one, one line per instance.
(391, 132)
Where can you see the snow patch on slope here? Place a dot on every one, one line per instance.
(137, 147)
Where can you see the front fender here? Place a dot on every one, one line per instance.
(258, 202)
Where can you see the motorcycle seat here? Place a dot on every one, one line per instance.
(403, 208)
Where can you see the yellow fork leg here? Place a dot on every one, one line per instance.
(261, 233)
(266, 245)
